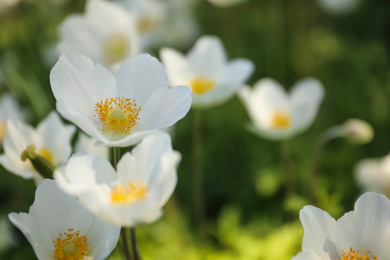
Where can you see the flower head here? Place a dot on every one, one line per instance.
(106, 33)
(51, 139)
(213, 80)
(133, 193)
(59, 227)
(360, 234)
(117, 110)
(277, 115)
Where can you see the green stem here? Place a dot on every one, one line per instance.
(289, 173)
(134, 244)
(197, 175)
(117, 156)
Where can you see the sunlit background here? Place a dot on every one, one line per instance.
(249, 214)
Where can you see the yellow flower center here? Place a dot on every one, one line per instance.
(3, 131)
(201, 85)
(357, 255)
(146, 23)
(281, 120)
(127, 194)
(115, 48)
(70, 246)
(118, 115)
(45, 153)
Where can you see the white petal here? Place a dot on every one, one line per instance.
(237, 72)
(308, 255)
(367, 227)
(318, 232)
(139, 77)
(306, 97)
(176, 66)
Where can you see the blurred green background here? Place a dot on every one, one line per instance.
(248, 214)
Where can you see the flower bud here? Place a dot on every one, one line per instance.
(358, 131)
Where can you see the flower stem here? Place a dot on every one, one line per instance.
(134, 244)
(289, 173)
(117, 156)
(197, 175)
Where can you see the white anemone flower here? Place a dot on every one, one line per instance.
(360, 234)
(86, 144)
(277, 115)
(51, 139)
(338, 7)
(374, 175)
(106, 33)
(117, 110)
(213, 80)
(59, 227)
(133, 193)
(9, 109)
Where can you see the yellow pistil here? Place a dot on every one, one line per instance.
(127, 194)
(115, 48)
(3, 131)
(281, 119)
(201, 85)
(357, 255)
(45, 153)
(70, 246)
(118, 115)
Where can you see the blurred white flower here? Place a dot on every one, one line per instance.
(226, 3)
(360, 234)
(7, 238)
(86, 144)
(213, 80)
(106, 33)
(135, 192)
(277, 115)
(9, 109)
(162, 23)
(59, 227)
(51, 139)
(339, 6)
(374, 175)
(117, 110)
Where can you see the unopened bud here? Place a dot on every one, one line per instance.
(358, 131)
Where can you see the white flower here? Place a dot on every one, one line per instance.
(117, 110)
(364, 231)
(59, 227)
(135, 192)
(374, 175)
(106, 33)
(226, 3)
(86, 144)
(277, 115)
(51, 139)
(339, 6)
(213, 80)
(9, 109)
(358, 131)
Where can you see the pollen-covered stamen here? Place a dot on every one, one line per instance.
(281, 119)
(70, 246)
(127, 194)
(357, 255)
(118, 115)
(201, 85)
(116, 48)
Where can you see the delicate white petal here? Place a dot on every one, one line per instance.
(308, 255)
(319, 232)
(176, 65)
(237, 72)
(88, 145)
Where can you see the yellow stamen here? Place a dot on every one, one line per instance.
(3, 131)
(118, 115)
(70, 246)
(281, 119)
(146, 23)
(201, 85)
(115, 48)
(357, 255)
(45, 153)
(127, 194)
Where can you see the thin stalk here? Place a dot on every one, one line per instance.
(117, 156)
(134, 244)
(197, 175)
(289, 177)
